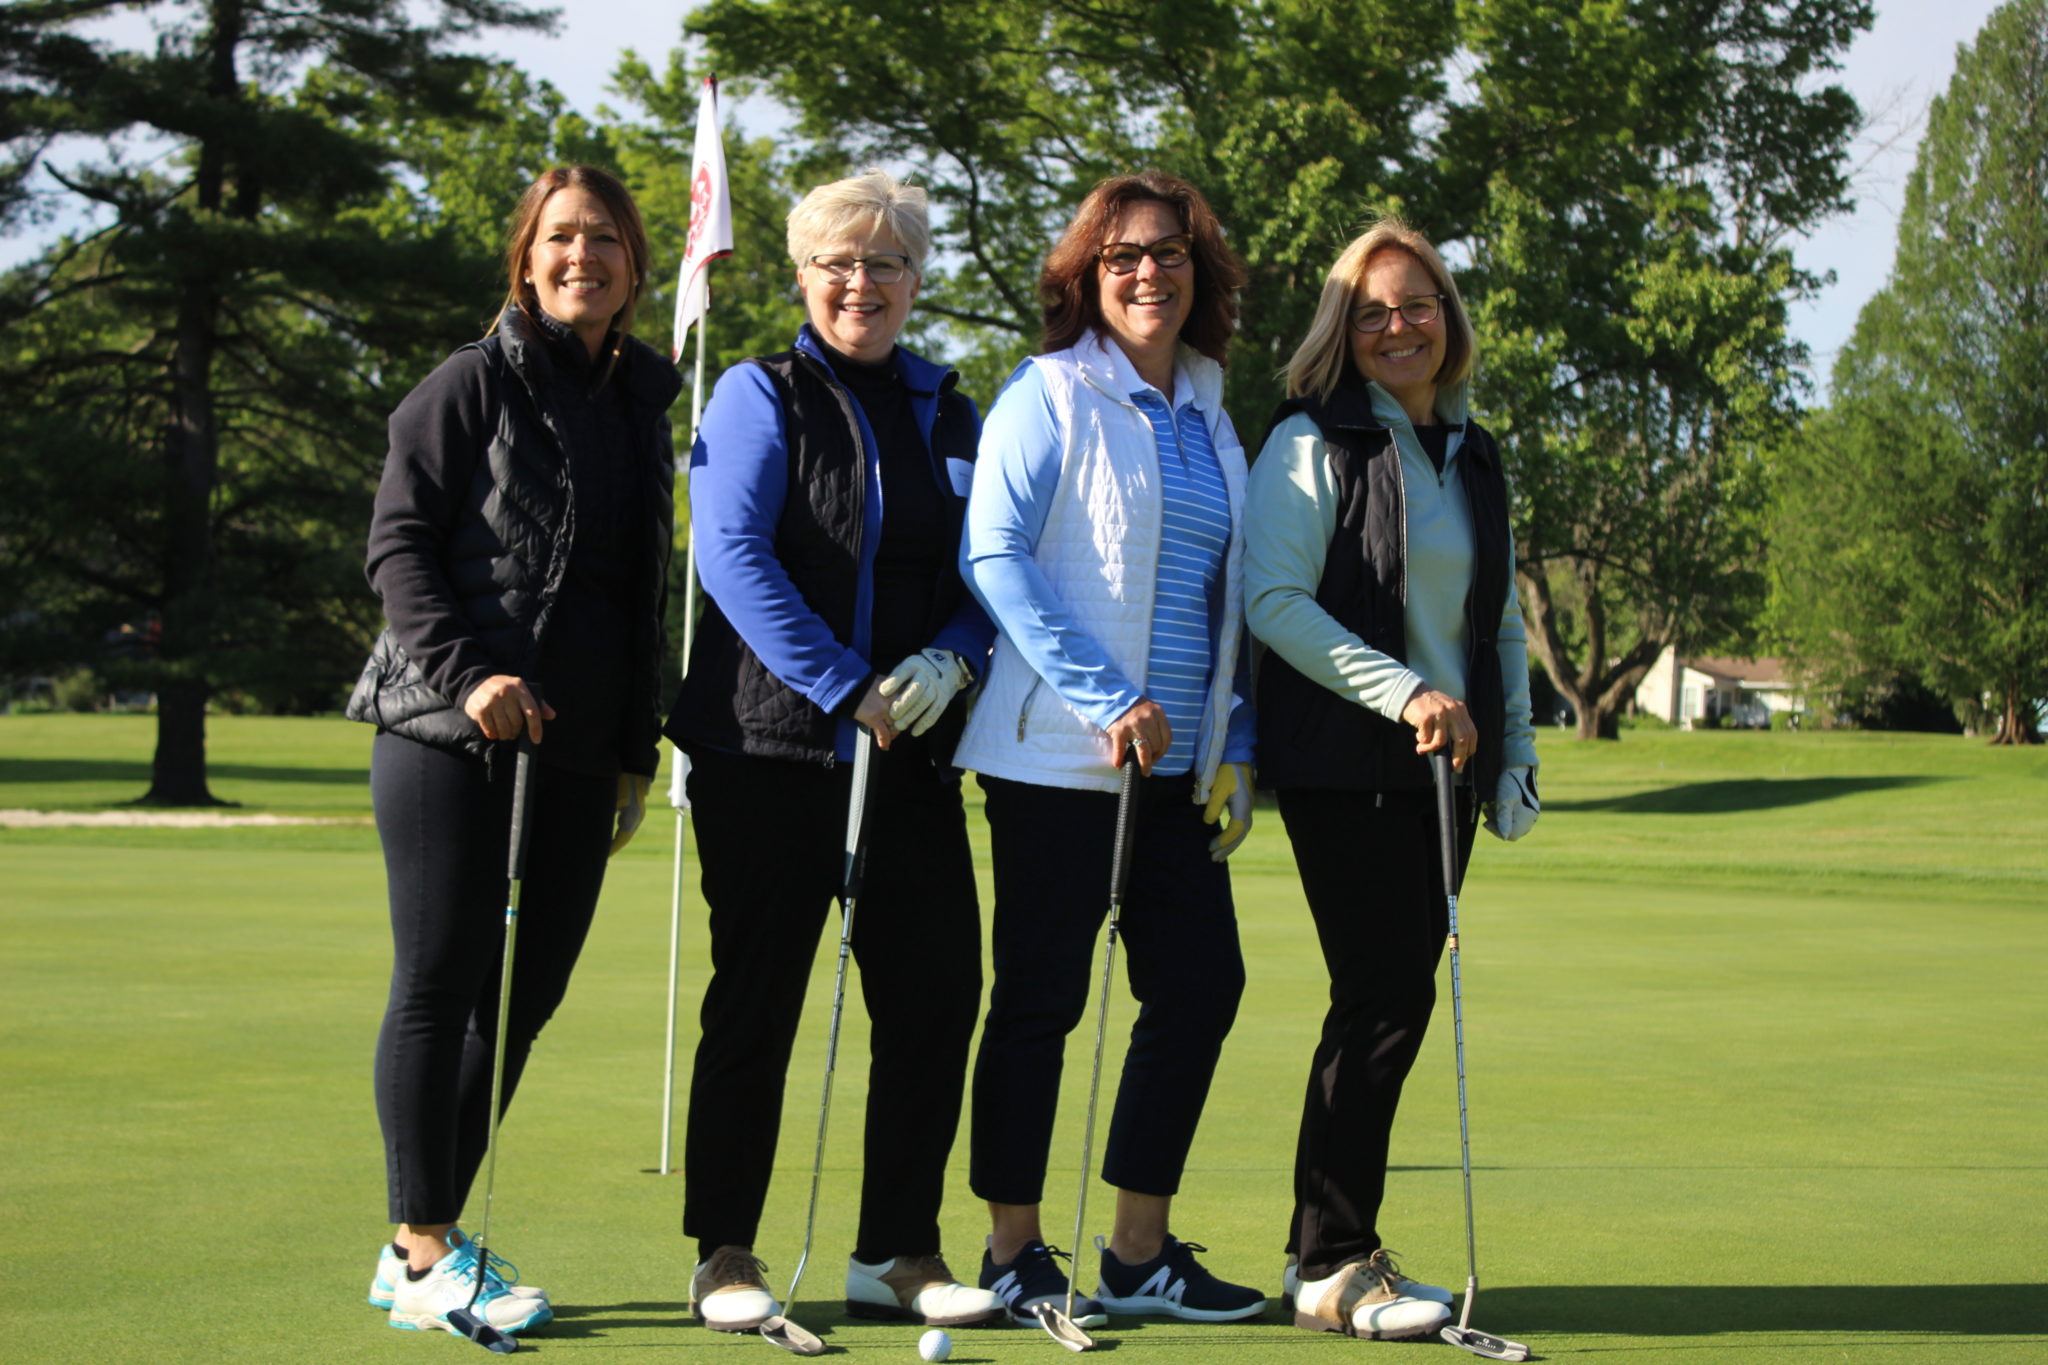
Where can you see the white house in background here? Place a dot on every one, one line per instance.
(1739, 692)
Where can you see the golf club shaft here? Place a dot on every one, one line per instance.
(849, 895)
(515, 871)
(1119, 879)
(1447, 838)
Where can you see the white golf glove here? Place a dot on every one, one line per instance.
(1513, 810)
(1231, 793)
(632, 808)
(922, 686)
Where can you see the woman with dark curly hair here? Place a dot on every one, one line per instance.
(1104, 537)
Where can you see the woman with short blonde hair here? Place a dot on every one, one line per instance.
(828, 483)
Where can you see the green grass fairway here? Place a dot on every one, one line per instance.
(1755, 1029)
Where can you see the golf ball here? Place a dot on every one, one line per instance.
(935, 1345)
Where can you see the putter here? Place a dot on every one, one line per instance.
(1060, 1326)
(466, 1319)
(1464, 1335)
(779, 1329)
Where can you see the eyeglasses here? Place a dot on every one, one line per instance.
(881, 269)
(1374, 317)
(1121, 258)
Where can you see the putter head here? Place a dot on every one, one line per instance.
(1061, 1328)
(1485, 1344)
(780, 1331)
(481, 1332)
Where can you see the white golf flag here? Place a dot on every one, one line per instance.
(710, 217)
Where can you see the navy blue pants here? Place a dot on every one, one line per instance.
(1178, 941)
(446, 830)
(1372, 869)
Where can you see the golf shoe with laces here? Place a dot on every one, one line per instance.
(391, 1266)
(1174, 1285)
(918, 1289)
(1290, 1282)
(423, 1304)
(729, 1292)
(1365, 1299)
(1035, 1278)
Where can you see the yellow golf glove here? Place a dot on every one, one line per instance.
(632, 808)
(1231, 793)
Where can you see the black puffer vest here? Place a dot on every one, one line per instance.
(1308, 735)
(730, 700)
(506, 555)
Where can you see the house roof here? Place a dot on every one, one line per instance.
(1757, 672)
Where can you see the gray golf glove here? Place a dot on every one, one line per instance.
(1513, 810)
(922, 686)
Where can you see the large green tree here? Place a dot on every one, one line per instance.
(1911, 528)
(190, 387)
(1620, 180)
(1644, 168)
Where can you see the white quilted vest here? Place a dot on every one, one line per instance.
(1100, 551)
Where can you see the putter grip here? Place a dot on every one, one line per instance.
(1126, 828)
(521, 785)
(1446, 815)
(854, 870)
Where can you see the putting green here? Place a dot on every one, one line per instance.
(1754, 1033)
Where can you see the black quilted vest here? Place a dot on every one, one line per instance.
(730, 700)
(507, 555)
(1308, 735)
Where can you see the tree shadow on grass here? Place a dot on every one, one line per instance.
(1707, 1310)
(1741, 794)
(138, 771)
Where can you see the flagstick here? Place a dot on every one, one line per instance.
(710, 238)
(679, 772)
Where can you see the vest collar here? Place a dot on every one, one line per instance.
(1197, 379)
(922, 377)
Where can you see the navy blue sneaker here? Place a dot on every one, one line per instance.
(1035, 1278)
(1172, 1285)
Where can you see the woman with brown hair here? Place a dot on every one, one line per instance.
(520, 545)
(1104, 537)
(1379, 573)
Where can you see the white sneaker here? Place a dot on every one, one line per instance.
(417, 1305)
(918, 1289)
(1362, 1300)
(729, 1292)
(1290, 1281)
(391, 1264)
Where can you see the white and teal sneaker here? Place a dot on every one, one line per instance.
(423, 1304)
(391, 1265)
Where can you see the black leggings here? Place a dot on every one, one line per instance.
(446, 831)
(1371, 867)
(771, 839)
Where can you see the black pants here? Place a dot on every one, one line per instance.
(1372, 869)
(446, 831)
(771, 839)
(1178, 933)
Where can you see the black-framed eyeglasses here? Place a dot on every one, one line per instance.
(883, 269)
(1375, 317)
(1121, 258)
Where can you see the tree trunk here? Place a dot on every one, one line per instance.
(178, 775)
(2015, 723)
(191, 457)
